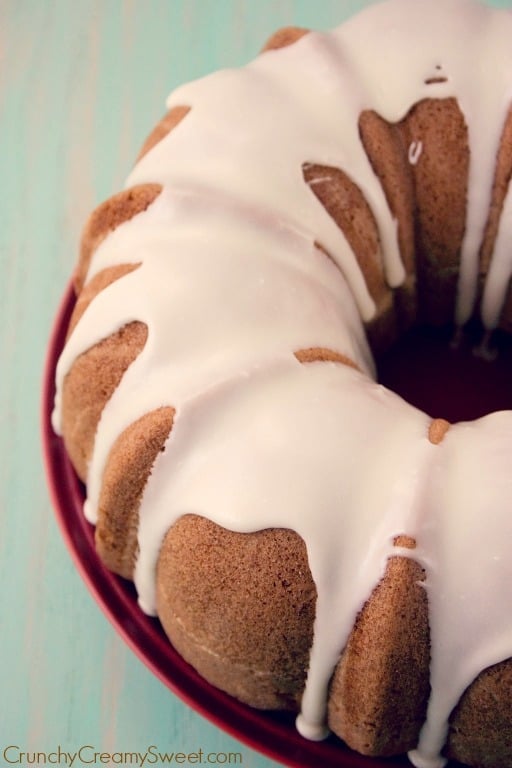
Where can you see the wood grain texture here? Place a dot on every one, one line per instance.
(81, 84)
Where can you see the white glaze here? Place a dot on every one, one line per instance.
(500, 270)
(415, 150)
(230, 285)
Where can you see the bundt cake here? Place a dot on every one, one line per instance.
(309, 540)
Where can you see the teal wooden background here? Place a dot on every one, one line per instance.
(81, 84)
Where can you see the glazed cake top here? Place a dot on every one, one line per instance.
(231, 284)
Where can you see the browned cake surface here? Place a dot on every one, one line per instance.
(440, 188)
(481, 724)
(380, 689)
(283, 37)
(437, 431)
(160, 131)
(345, 202)
(106, 217)
(387, 153)
(240, 608)
(126, 473)
(89, 385)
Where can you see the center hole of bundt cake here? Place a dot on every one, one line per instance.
(449, 381)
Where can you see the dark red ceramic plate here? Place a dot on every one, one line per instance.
(271, 734)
